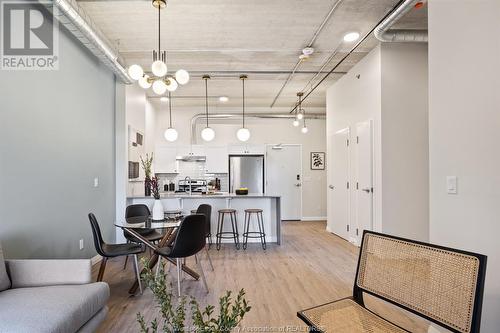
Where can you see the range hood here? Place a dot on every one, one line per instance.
(191, 158)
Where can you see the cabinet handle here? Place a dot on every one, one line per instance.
(331, 187)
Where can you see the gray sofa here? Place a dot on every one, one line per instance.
(54, 296)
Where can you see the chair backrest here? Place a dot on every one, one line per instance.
(96, 232)
(441, 284)
(137, 210)
(190, 237)
(207, 211)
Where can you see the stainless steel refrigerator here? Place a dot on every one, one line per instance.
(246, 171)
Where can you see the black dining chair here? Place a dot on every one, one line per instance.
(113, 250)
(190, 239)
(151, 235)
(207, 211)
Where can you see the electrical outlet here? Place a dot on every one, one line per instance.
(81, 244)
(96, 182)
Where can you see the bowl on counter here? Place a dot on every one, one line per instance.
(241, 191)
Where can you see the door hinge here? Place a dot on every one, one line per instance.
(347, 185)
(348, 228)
(357, 232)
(357, 139)
(357, 186)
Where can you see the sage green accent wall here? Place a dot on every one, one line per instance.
(56, 136)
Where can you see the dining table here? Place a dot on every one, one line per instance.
(168, 227)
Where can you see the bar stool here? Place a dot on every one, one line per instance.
(254, 234)
(227, 234)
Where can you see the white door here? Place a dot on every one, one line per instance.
(284, 178)
(364, 182)
(339, 185)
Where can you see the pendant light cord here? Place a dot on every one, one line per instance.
(243, 102)
(206, 98)
(159, 30)
(170, 107)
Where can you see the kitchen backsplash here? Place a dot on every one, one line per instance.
(194, 170)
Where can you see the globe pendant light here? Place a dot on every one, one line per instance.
(298, 113)
(243, 133)
(161, 82)
(171, 133)
(302, 113)
(208, 134)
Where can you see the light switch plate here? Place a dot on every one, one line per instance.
(96, 182)
(81, 246)
(451, 184)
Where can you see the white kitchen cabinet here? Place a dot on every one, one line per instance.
(164, 160)
(251, 149)
(217, 161)
(194, 150)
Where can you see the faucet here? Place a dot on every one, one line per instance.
(190, 185)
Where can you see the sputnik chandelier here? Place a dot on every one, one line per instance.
(160, 81)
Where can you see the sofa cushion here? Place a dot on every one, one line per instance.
(55, 309)
(4, 278)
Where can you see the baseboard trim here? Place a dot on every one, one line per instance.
(95, 259)
(314, 218)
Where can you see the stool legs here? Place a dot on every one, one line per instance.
(261, 230)
(259, 234)
(234, 234)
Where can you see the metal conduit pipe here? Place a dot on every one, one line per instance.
(238, 116)
(384, 33)
(74, 18)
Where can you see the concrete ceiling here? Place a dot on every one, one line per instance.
(261, 38)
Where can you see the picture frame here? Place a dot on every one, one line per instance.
(318, 160)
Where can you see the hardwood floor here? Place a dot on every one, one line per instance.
(311, 267)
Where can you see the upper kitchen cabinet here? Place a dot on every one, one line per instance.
(247, 149)
(164, 160)
(191, 150)
(217, 161)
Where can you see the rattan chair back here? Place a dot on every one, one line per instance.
(441, 284)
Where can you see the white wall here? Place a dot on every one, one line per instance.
(464, 130)
(405, 140)
(140, 115)
(269, 131)
(389, 87)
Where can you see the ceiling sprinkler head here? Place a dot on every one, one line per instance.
(306, 53)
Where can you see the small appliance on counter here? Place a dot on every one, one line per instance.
(195, 185)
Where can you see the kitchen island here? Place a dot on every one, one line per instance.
(270, 204)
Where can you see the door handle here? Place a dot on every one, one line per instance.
(367, 190)
(298, 184)
(331, 187)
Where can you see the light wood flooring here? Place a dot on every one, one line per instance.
(311, 267)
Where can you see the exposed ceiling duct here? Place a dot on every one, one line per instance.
(384, 33)
(74, 18)
(238, 116)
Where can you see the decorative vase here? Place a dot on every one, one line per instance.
(147, 187)
(158, 213)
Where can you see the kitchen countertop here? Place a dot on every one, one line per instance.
(208, 196)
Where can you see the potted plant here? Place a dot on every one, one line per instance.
(158, 213)
(147, 163)
(174, 313)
